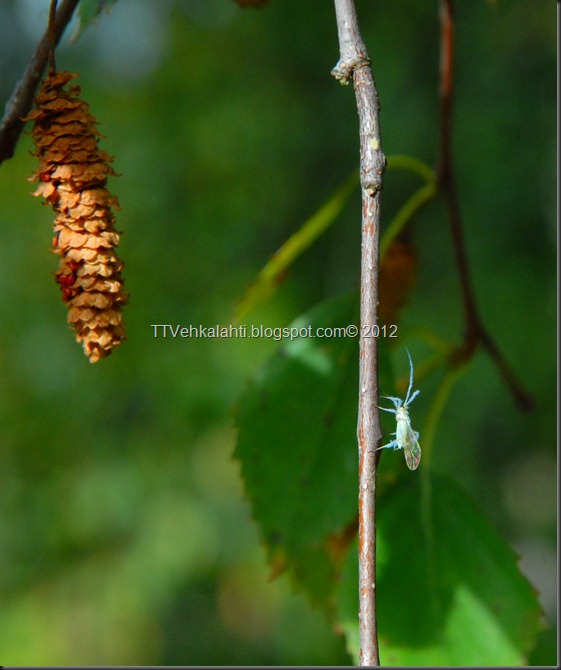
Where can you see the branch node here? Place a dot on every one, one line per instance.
(345, 68)
(372, 180)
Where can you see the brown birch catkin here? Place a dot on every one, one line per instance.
(73, 175)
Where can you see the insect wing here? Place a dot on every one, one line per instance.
(411, 449)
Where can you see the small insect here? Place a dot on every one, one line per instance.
(405, 437)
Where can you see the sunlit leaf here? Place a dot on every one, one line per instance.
(297, 437)
(449, 590)
(298, 449)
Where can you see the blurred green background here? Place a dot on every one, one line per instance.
(124, 534)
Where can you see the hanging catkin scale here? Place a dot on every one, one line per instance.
(73, 174)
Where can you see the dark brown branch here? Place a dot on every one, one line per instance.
(475, 332)
(354, 62)
(21, 99)
(51, 34)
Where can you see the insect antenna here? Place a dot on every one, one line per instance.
(409, 399)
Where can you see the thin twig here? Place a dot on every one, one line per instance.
(354, 62)
(51, 33)
(21, 99)
(475, 332)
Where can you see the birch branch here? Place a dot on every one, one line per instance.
(21, 100)
(475, 332)
(354, 63)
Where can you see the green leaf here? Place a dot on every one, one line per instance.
(275, 270)
(297, 446)
(448, 586)
(89, 11)
(414, 203)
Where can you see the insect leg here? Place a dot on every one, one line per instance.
(396, 401)
(391, 444)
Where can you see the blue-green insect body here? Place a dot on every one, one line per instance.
(405, 437)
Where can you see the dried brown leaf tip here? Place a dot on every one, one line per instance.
(397, 277)
(73, 174)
